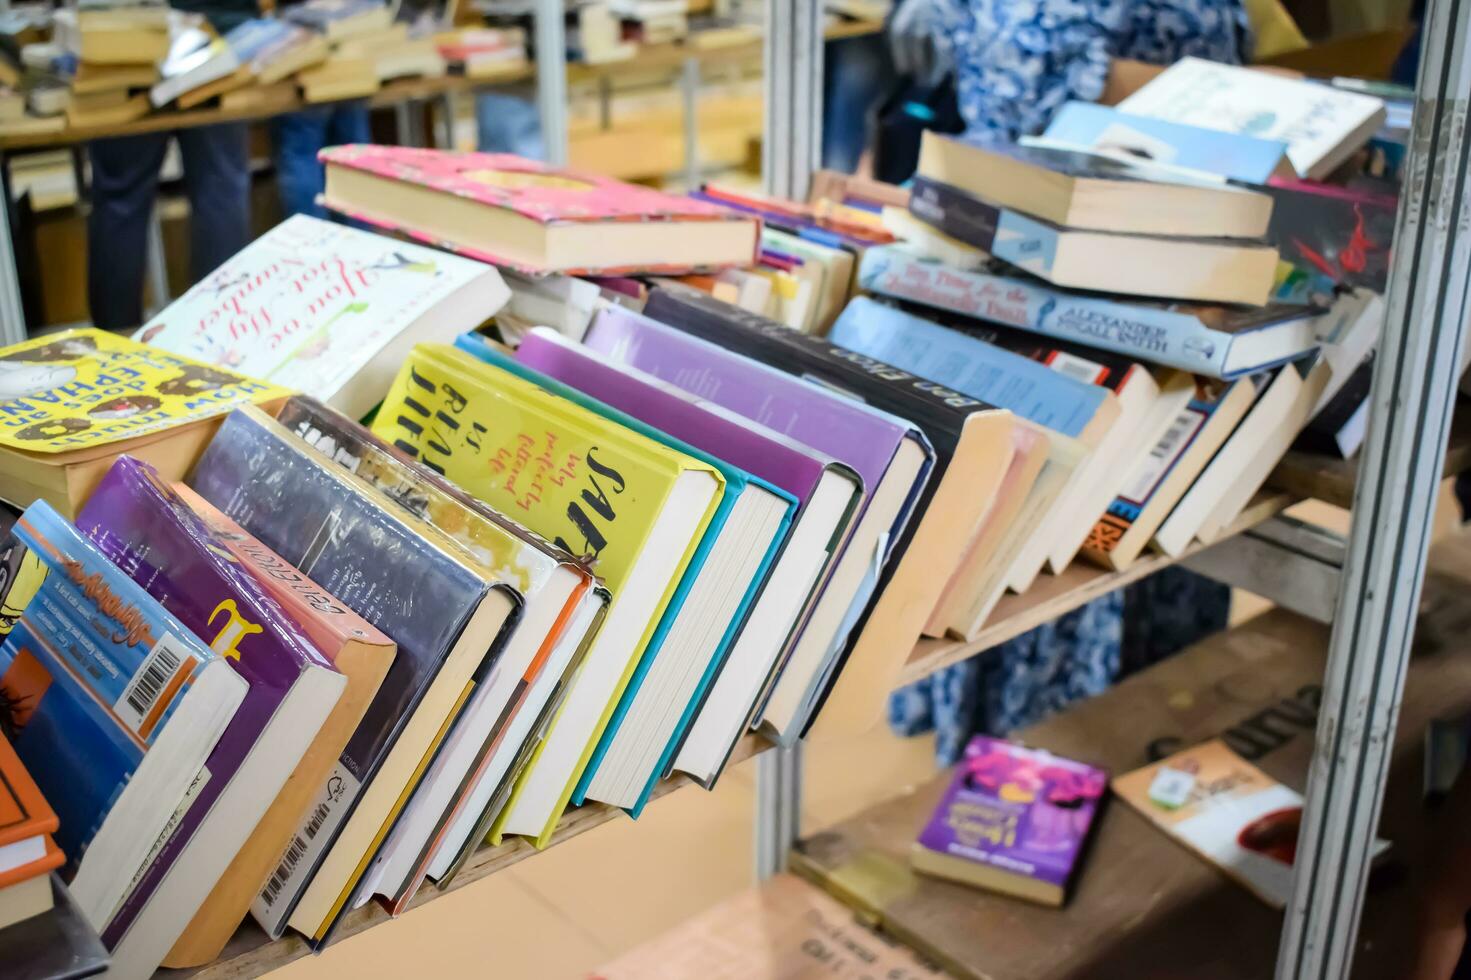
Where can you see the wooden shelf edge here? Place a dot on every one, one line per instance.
(1052, 596)
(251, 954)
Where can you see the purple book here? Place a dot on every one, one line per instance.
(1013, 820)
(829, 493)
(147, 530)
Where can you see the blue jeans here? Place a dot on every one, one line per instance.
(124, 187)
(299, 137)
(856, 76)
(509, 124)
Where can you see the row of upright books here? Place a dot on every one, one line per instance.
(329, 587)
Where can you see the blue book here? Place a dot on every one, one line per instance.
(1086, 125)
(701, 622)
(973, 367)
(1216, 341)
(115, 706)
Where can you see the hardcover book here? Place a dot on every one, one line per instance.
(359, 652)
(28, 854)
(718, 597)
(828, 492)
(1084, 190)
(513, 211)
(326, 309)
(1236, 156)
(1207, 269)
(636, 509)
(122, 707)
(377, 559)
(975, 444)
(1014, 820)
(70, 402)
(1321, 126)
(149, 532)
(1216, 341)
(529, 686)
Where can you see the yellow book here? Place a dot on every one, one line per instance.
(636, 509)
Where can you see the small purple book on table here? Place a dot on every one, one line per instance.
(828, 492)
(1014, 820)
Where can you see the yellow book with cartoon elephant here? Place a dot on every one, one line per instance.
(71, 402)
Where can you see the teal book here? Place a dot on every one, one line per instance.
(702, 622)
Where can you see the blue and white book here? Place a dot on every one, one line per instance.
(120, 707)
(702, 620)
(1216, 341)
(1235, 156)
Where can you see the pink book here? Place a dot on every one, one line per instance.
(512, 211)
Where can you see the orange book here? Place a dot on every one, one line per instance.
(25, 816)
(360, 652)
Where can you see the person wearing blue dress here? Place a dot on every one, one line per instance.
(1015, 63)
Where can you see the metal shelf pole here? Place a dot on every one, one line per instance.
(791, 147)
(551, 78)
(1413, 392)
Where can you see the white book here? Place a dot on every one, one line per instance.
(328, 310)
(1322, 126)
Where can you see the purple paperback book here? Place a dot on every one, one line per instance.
(1020, 811)
(147, 530)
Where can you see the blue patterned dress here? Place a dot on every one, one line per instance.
(1017, 62)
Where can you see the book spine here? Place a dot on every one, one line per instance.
(1157, 335)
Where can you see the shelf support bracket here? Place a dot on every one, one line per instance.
(1411, 400)
(1295, 564)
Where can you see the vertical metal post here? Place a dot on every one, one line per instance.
(157, 264)
(551, 78)
(403, 124)
(689, 91)
(448, 108)
(791, 145)
(12, 312)
(778, 807)
(791, 149)
(1414, 387)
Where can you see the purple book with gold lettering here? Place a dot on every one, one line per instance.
(137, 520)
(1014, 820)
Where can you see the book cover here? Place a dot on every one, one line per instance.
(564, 370)
(1191, 337)
(357, 650)
(25, 816)
(351, 543)
(58, 944)
(594, 487)
(95, 673)
(1227, 811)
(1343, 234)
(315, 306)
(547, 196)
(85, 388)
(1013, 819)
(526, 559)
(149, 532)
(1236, 156)
(1319, 124)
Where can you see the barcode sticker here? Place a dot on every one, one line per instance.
(307, 846)
(147, 693)
(1162, 456)
(1078, 368)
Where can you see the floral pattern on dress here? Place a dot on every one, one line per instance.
(1017, 62)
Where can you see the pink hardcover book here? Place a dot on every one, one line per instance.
(534, 217)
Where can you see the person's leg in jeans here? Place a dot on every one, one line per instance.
(857, 73)
(124, 187)
(217, 179)
(509, 124)
(297, 137)
(350, 123)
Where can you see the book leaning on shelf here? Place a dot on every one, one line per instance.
(530, 685)
(117, 750)
(596, 489)
(974, 445)
(148, 531)
(726, 577)
(71, 402)
(378, 559)
(28, 851)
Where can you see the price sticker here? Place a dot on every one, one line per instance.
(1171, 788)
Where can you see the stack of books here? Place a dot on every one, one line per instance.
(366, 47)
(114, 56)
(347, 655)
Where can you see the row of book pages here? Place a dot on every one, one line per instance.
(373, 549)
